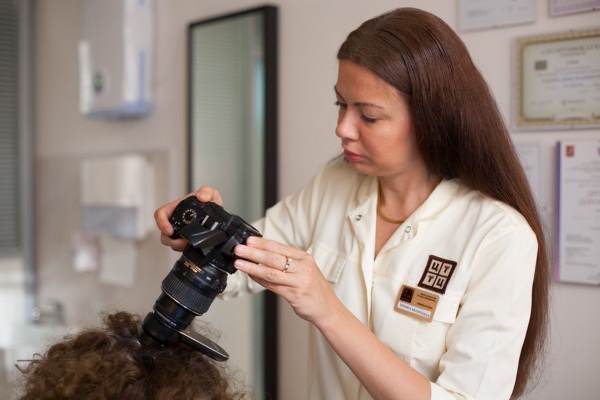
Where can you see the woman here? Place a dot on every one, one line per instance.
(109, 363)
(420, 262)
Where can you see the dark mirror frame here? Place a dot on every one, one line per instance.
(269, 300)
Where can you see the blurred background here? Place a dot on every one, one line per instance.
(55, 277)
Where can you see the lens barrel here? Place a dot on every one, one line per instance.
(194, 288)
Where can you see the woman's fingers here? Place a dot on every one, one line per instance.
(301, 284)
(175, 244)
(269, 253)
(161, 216)
(208, 193)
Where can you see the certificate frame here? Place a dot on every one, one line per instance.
(486, 14)
(557, 81)
(577, 216)
(566, 7)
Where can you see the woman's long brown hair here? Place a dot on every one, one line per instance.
(460, 131)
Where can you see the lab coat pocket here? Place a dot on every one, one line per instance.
(447, 308)
(330, 262)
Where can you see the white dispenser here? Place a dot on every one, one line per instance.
(117, 196)
(115, 58)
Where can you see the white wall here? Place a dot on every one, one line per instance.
(310, 32)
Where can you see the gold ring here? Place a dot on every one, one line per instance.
(287, 265)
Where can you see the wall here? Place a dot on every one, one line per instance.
(310, 32)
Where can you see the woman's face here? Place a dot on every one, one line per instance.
(374, 124)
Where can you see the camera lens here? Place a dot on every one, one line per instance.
(188, 291)
(193, 287)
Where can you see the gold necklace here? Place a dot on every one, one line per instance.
(388, 219)
(385, 217)
(381, 214)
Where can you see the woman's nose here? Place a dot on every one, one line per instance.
(345, 128)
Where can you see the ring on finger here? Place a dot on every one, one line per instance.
(287, 265)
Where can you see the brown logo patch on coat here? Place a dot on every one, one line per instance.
(437, 274)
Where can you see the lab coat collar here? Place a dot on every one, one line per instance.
(435, 204)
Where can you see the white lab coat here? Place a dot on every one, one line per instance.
(470, 349)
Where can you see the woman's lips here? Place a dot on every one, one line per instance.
(352, 157)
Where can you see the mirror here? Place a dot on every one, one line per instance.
(232, 98)
(232, 108)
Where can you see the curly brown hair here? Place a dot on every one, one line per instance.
(109, 363)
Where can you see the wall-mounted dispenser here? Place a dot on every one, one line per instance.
(115, 58)
(117, 196)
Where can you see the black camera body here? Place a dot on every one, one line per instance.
(198, 276)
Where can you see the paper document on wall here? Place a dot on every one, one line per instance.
(578, 216)
(118, 261)
(86, 252)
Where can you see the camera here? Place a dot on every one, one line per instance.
(198, 276)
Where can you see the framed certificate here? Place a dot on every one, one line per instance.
(564, 7)
(578, 212)
(483, 14)
(557, 81)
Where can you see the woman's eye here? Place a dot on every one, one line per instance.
(366, 118)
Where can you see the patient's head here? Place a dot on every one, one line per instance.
(109, 363)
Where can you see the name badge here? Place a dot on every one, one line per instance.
(416, 303)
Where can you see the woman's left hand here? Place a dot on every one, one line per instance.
(289, 272)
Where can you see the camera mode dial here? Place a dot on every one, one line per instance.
(188, 216)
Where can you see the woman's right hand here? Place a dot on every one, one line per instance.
(205, 194)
